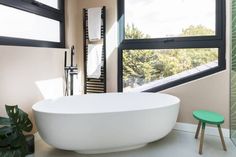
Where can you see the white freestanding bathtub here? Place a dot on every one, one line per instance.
(102, 123)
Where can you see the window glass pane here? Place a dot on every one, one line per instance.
(51, 3)
(145, 69)
(20, 24)
(170, 18)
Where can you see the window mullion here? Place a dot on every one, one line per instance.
(170, 45)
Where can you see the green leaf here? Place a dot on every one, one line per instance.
(25, 124)
(5, 121)
(18, 153)
(12, 140)
(11, 152)
(12, 111)
(5, 142)
(5, 130)
(19, 118)
(18, 142)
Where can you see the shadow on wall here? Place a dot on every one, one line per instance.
(21, 68)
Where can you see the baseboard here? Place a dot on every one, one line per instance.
(208, 131)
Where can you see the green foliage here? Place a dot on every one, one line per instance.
(143, 66)
(132, 32)
(12, 140)
(198, 30)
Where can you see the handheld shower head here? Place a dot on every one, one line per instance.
(65, 59)
(72, 55)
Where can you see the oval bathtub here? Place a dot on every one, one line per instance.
(102, 123)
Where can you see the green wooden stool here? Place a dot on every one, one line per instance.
(206, 117)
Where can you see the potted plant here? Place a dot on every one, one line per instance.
(13, 141)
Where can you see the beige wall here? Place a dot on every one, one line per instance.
(210, 93)
(74, 24)
(21, 68)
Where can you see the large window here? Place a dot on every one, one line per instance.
(164, 43)
(32, 23)
(168, 18)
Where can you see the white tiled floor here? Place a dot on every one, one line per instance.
(176, 144)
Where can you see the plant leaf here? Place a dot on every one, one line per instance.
(5, 130)
(18, 153)
(19, 118)
(7, 140)
(25, 123)
(18, 142)
(5, 121)
(12, 111)
(11, 152)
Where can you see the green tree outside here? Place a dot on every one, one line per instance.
(144, 66)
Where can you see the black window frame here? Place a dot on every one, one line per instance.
(217, 41)
(35, 7)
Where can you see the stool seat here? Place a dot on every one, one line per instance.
(208, 117)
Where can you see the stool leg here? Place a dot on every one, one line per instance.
(198, 129)
(202, 138)
(222, 138)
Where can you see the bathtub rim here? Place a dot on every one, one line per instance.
(105, 112)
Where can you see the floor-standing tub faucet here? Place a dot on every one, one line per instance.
(70, 72)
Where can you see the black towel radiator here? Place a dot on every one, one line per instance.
(92, 85)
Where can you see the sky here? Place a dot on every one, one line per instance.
(162, 18)
(52, 3)
(21, 24)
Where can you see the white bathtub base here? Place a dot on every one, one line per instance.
(103, 151)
